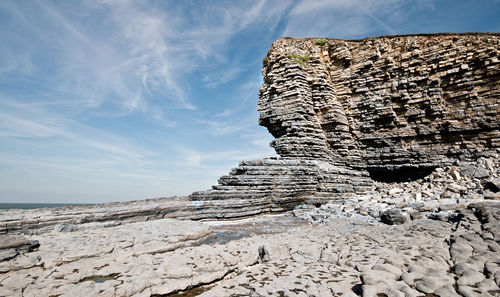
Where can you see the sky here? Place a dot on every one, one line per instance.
(115, 100)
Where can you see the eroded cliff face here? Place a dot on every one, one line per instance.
(422, 100)
(345, 113)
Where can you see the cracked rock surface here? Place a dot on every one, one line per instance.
(348, 257)
(275, 255)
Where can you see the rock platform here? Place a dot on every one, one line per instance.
(435, 236)
(350, 255)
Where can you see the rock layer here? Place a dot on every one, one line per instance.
(397, 100)
(278, 185)
(389, 108)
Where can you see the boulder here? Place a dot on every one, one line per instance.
(394, 217)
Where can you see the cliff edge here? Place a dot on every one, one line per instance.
(346, 113)
(383, 102)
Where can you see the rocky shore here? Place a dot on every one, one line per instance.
(277, 255)
(388, 184)
(437, 235)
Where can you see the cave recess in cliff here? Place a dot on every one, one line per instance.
(389, 174)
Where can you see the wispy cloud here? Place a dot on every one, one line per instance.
(217, 127)
(213, 81)
(343, 18)
(196, 158)
(134, 54)
(127, 62)
(25, 121)
(246, 92)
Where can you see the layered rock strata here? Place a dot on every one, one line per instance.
(388, 109)
(88, 217)
(278, 185)
(387, 101)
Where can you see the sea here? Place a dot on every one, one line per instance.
(33, 205)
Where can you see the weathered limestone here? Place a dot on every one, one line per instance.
(265, 256)
(397, 100)
(134, 258)
(393, 107)
(348, 257)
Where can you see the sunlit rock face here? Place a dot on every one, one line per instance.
(420, 100)
(347, 112)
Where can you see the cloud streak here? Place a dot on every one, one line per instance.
(23, 121)
(128, 63)
(344, 18)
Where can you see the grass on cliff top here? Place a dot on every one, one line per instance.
(302, 60)
(320, 42)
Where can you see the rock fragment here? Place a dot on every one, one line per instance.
(394, 217)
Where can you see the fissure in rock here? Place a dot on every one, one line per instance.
(399, 174)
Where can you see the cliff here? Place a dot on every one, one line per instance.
(345, 113)
(387, 101)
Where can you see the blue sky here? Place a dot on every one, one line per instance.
(111, 100)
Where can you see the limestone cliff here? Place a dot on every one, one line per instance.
(399, 100)
(345, 112)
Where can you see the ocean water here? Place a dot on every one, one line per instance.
(33, 205)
